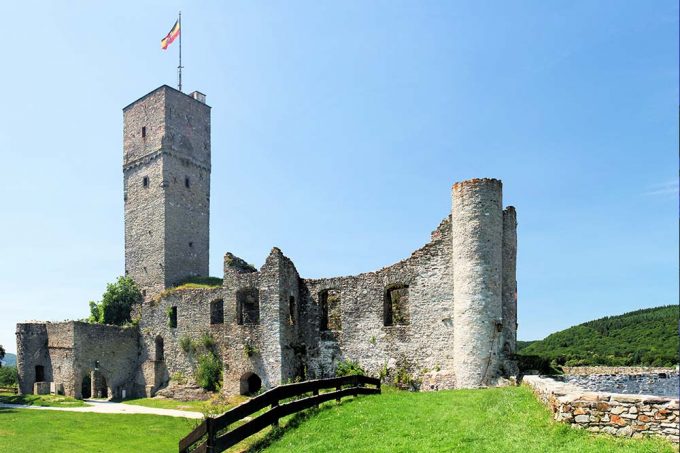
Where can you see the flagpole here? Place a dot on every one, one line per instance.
(179, 68)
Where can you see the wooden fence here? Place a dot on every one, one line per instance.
(213, 436)
(14, 390)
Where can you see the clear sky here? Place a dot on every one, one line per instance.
(338, 129)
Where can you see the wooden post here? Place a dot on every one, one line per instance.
(338, 388)
(275, 423)
(315, 392)
(210, 443)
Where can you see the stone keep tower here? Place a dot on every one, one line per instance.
(166, 171)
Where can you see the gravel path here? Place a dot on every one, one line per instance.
(109, 407)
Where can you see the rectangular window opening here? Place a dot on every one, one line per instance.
(172, 317)
(217, 312)
(186, 182)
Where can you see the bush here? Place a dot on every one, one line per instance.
(349, 368)
(187, 345)
(208, 341)
(535, 363)
(116, 303)
(209, 372)
(9, 376)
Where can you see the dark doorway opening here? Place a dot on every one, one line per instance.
(250, 384)
(86, 387)
(39, 373)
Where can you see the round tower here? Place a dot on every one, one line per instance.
(477, 229)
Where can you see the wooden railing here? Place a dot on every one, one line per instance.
(213, 435)
(14, 390)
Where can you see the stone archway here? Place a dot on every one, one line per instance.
(250, 383)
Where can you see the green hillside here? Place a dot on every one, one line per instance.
(646, 337)
(9, 360)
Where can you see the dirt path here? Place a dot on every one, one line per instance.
(109, 407)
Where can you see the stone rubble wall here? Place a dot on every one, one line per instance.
(618, 414)
(588, 370)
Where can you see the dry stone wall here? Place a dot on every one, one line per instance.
(612, 413)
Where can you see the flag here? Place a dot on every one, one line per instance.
(171, 36)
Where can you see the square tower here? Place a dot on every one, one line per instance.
(166, 172)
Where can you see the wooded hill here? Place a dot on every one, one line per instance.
(646, 337)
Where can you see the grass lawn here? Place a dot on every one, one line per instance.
(490, 420)
(26, 430)
(211, 406)
(41, 400)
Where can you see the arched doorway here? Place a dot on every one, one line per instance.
(250, 383)
(86, 387)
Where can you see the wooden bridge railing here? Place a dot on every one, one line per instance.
(213, 436)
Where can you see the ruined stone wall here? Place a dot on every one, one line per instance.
(421, 344)
(31, 351)
(193, 322)
(509, 290)
(611, 413)
(67, 351)
(116, 349)
(477, 218)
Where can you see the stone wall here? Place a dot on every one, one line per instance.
(68, 351)
(477, 280)
(421, 344)
(166, 168)
(612, 413)
(588, 370)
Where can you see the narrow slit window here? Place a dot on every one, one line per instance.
(145, 181)
(186, 182)
(172, 317)
(143, 131)
(291, 310)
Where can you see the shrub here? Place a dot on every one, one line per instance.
(187, 345)
(116, 303)
(250, 349)
(209, 372)
(179, 378)
(207, 341)
(348, 368)
(9, 376)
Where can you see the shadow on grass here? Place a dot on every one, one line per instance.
(292, 423)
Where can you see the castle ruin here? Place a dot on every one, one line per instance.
(446, 316)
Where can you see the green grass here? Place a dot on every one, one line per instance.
(210, 406)
(26, 430)
(489, 420)
(41, 400)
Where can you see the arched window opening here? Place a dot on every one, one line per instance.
(248, 306)
(331, 318)
(250, 383)
(395, 306)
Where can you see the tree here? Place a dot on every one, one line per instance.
(2, 354)
(116, 303)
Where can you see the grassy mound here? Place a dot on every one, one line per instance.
(489, 420)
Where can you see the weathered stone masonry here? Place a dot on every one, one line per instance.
(445, 316)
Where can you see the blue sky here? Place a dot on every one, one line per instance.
(338, 129)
